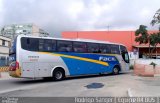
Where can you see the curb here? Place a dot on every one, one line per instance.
(4, 75)
(129, 92)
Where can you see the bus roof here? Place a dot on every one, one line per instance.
(78, 39)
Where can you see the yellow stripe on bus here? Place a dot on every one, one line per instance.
(78, 58)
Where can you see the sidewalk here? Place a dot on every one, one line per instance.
(4, 75)
(149, 88)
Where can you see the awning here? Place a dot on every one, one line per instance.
(145, 46)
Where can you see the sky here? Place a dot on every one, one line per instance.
(56, 16)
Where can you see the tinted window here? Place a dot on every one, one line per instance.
(125, 57)
(30, 44)
(47, 45)
(93, 48)
(123, 48)
(64, 46)
(79, 47)
(105, 48)
(115, 49)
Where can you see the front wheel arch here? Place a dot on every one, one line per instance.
(116, 70)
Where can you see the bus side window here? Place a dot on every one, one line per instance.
(104, 48)
(115, 49)
(123, 48)
(30, 44)
(47, 45)
(93, 48)
(64, 46)
(79, 47)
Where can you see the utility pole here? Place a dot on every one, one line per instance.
(77, 35)
(108, 28)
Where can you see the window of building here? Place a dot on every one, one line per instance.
(24, 30)
(64, 46)
(93, 48)
(2, 58)
(3, 42)
(80, 47)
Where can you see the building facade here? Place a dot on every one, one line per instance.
(126, 38)
(4, 50)
(11, 31)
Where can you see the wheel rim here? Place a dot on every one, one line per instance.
(58, 75)
(115, 70)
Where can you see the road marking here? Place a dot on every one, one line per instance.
(129, 92)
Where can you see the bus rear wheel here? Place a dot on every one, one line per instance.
(116, 70)
(58, 74)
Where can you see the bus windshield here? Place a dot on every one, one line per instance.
(124, 53)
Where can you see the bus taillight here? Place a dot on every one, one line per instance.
(14, 66)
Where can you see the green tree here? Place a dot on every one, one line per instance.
(142, 36)
(155, 37)
(156, 18)
(154, 40)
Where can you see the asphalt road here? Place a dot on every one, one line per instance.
(88, 86)
(106, 85)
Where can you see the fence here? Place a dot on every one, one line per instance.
(4, 69)
(146, 70)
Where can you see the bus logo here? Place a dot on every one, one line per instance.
(107, 59)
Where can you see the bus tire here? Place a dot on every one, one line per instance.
(58, 74)
(116, 70)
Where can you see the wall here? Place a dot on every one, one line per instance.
(124, 37)
(4, 51)
(148, 61)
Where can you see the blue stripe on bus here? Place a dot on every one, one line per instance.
(80, 67)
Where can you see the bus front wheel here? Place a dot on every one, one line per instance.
(58, 74)
(116, 70)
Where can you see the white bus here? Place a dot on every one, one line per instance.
(32, 57)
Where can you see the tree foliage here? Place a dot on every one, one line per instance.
(156, 18)
(142, 35)
(155, 39)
